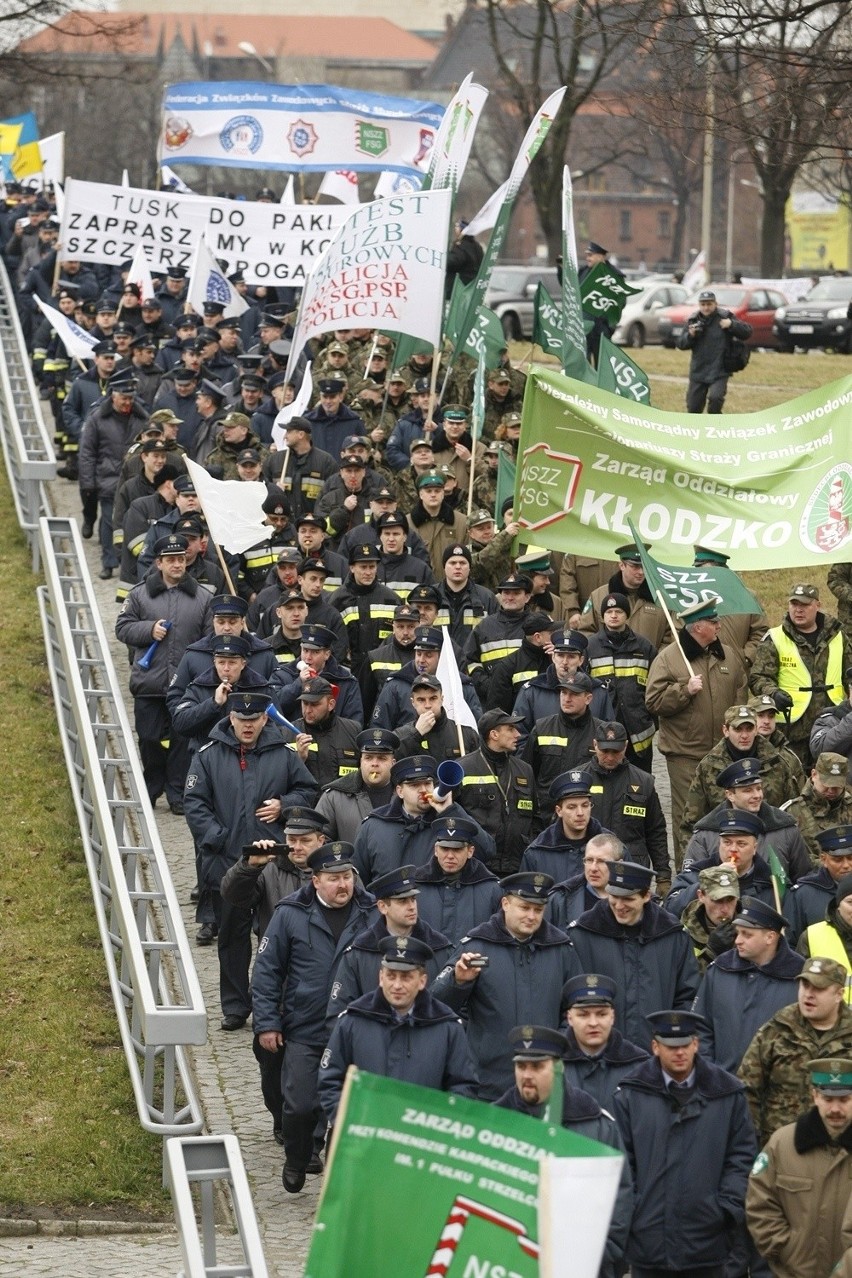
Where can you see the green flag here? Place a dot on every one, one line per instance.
(553, 1108)
(682, 587)
(505, 483)
(618, 373)
(604, 292)
(456, 309)
(420, 1182)
(478, 406)
(779, 874)
(574, 361)
(547, 323)
(486, 338)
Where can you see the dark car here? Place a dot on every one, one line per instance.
(757, 306)
(511, 296)
(820, 319)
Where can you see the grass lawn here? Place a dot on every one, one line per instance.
(769, 379)
(69, 1130)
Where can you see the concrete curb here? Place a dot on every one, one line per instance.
(15, 1227)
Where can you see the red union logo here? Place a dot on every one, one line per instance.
(549, 481)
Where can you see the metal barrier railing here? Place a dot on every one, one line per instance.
(154, 984)
(208, 1163)
(27, 444)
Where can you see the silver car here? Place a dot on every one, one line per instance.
(511, 295)
(638, 323)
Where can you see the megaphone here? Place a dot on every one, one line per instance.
(450, 777)
(277, 717)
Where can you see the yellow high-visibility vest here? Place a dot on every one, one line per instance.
(794, 677)
(824, 942)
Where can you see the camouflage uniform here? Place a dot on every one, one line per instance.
(774, 1068)
(493, 562)
(813, 814)
(485, 490)
(776, 776)
(694, 920)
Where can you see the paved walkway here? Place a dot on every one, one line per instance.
(227, 1080)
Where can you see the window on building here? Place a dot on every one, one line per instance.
(664, 224)
(625, 229)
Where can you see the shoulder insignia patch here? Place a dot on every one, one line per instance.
(760, 1164)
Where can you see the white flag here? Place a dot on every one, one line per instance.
(697, 273)
(300, 402)
(208, 284)
(77, 342)
(59, 199)
(233, 509)
(288, 195)
(451, 685)
(140, 274)
(125, 178)
(173, 182)
(485, 219)
(53, 158)
(340, 184)
(390, 183)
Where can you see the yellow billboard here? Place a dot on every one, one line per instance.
(818, 231)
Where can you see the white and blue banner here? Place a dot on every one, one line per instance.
(307, 127)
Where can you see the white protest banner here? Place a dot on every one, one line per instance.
(77, 342)
(208, 284)
(385, 270)
(342, 185)
(455, 136)
(52, 158)
(296, 409)
(303, 127)
(269, 243)
(233, 509)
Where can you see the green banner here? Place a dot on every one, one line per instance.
(618, 374)
(682, 587)
(486, 339)
(547, 323)
(505, 483)
(456, 309)
(422, 1183)
(574, 325)
(772, 489)
(604, 292)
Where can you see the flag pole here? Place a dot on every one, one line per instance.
(284, 467)
(675, 636)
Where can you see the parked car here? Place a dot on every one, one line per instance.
(511, 295)
(639, 319)
(757, 306)
(822, 318)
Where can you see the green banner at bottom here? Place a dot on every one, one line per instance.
(423, 1184)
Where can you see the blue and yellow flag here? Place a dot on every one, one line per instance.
(19, 150)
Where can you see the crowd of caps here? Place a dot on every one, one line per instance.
(466, 934)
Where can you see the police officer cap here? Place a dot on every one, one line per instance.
(184, 484)
(428, 638)
(249, 705)
(171, 545)
(331, 858)
(406, 612)
(831, 768)
(393, 519)
(183, 375)
(293, 596)
(741, 772)
(123, 382)
(396, 883)
(316, 637)
(627, 878)
(735, 716)
(310, 518)
(313, 565)
(705, 555)
(528, 886)
(719, 882)
(303, 821)
(365, 553)
(229, 606)
(105, 306)
(570, 641)
(315, 689)
(703, 610)
(536, 622)
(123, 329)
(248, 456)
(230, 646)
(616, 600)
(675, 1029)
(404, 953)
(758, 916)
(534, 558)
(572, 784)
(281, 379)
(269, 320)
(591, 989)
(331, 385)
(456, 552)
(424, 594)
(418, 767)
(611, 736)
(735, 822)
(377, 741)
(594, 247)
(630, 552)
(536, 1043)
(214, 391)
(276, 502)
(106, 347)
(576, 682)
(456, 832)
(426, 681)
(432, 479)
(822, 972)
(832, 1074)
(836, 841)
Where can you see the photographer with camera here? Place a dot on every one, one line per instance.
(708, 334)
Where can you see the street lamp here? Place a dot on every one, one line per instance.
(245, 47)
(729, 234)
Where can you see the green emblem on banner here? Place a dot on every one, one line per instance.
(371, 139)
(826, 523)
(548, 485)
